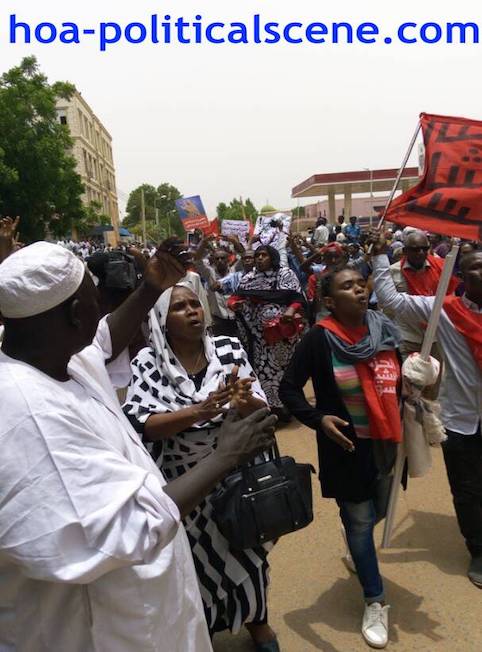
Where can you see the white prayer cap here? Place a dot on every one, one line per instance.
(38, 278)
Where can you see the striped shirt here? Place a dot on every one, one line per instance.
(351, 391)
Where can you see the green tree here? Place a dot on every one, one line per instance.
(38, 178)
(237, 209)
(168, 217)
(160, 209)
(155, 233)
(134, 205)
(298, 212)
(92, 216)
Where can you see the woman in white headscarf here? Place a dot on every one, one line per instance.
(181, 387)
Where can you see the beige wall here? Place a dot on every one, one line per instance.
(93, 152)
(359, 206)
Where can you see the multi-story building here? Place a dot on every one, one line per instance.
(92, 150)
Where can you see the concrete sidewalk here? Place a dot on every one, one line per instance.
(316, 604)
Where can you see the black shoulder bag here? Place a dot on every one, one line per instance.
(262, 501)
(120, 271)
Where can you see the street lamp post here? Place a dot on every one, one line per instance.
(168, 197)
(143, 218)
(371, 193)
(156, 210)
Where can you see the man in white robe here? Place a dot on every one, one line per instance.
(92, 553)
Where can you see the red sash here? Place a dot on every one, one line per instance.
(424, 282)
(468, 323)
(379, 377)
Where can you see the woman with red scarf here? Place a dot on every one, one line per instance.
(352, 359)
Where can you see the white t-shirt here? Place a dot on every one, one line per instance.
(92, 553)
(320, 236)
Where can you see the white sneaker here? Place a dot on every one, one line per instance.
(375, 625)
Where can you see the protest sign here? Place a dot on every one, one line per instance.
(239, 228)
(273, 229)
(265, 223)
(192, 214)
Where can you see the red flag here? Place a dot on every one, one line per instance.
(212, 228)
(448, 199)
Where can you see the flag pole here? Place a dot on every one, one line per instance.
(393, 499)
(399, 175)
(428, 340)
(443, 284)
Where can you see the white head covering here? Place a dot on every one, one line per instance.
(38, 278)
(170, 367)
(161, 385)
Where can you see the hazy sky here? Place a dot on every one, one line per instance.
(255, 120)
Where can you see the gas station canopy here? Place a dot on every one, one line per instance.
(352, 183)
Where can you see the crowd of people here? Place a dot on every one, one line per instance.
(134, 379)
(85, 248)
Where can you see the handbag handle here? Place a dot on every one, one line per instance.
(273, 455)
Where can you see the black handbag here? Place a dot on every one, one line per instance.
(262, 501)
(120, 271)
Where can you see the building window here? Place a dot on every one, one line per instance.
(81, 121)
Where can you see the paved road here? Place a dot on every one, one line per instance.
(315, 604)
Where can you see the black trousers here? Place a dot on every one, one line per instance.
(463, 461)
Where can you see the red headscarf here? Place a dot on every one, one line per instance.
(333, 247)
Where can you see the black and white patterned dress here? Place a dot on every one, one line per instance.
(233, 584)
(269, 362)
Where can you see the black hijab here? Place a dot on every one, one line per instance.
(273, 255)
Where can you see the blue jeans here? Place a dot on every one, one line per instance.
(359, 520)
